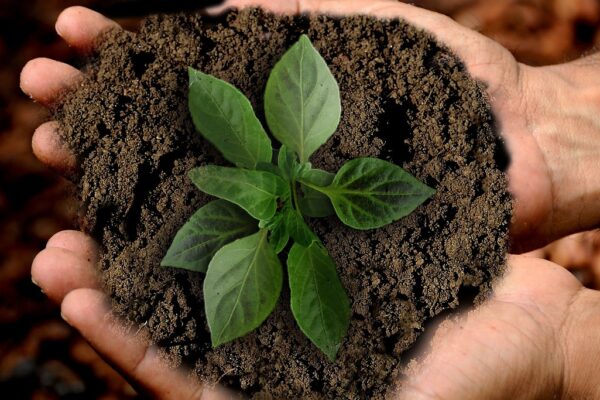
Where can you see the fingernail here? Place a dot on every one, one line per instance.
(38, 285)
(64, 318)
(23, 86)
(58, 29)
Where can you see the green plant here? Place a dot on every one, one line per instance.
(261, 208)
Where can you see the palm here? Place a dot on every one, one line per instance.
(544, 179)
(501, 346)
(508, 343)
(505, 80)
(530, 178)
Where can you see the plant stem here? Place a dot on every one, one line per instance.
(295, 196)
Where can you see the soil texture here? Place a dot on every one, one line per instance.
(405, 98)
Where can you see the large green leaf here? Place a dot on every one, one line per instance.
(257, 192)
(312, 202)
(242, 285)
(369, 193)
(224, 116)
(318, 300)
(208, 229)
(302, 100)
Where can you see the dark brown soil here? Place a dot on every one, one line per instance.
(404, 98)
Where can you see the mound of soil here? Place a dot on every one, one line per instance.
(405, 98)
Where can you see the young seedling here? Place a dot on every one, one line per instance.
(261, 208)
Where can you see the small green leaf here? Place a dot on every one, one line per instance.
(224, 116)
(297, 229)
(242, 285)
(312, 202)
(279, 236)
(302, 100)
(287, 162)
(257, 192)
(369, 193)
(268, 167)
(317, 176)
(318, 300)
(210, 228)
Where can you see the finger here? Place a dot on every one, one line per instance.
(50, 150)
(529, 277)
(88, 312)
(81, 27)
(44, 79)
(77, 242)
(58, 271)
(573, 251)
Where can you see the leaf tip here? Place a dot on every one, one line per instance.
(215, 341)
(429, 192)
(304, 38)
(165, 262)
(331, 352)
(168, 261)
(192, 75)
(194, 173)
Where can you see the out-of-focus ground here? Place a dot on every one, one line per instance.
(537, 32)
(40, 356)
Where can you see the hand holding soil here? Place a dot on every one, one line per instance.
(534, 338)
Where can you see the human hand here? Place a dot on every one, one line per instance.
(65, 270)
(536, 336)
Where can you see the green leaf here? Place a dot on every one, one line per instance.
(287, 161)
(241, 288)
(268, 167)
(257, 192)
(302, 100)
(297, 229)
(210, 228)
(318, 300)
(369, 193)
(317, 176)
(278, 234)
(312, 202)
(224, 116)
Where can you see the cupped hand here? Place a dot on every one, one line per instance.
(537, 337)
(65, 270)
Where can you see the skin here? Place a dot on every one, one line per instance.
(537, 337)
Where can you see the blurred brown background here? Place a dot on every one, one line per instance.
(40, 356)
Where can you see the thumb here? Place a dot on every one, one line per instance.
(131, 353)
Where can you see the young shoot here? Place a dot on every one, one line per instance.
(260, 212)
